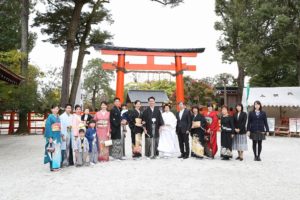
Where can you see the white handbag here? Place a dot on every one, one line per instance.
(108, 143)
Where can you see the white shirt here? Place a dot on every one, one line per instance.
(181, 113)
(152, 109)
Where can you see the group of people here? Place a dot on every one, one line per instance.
(76, 139)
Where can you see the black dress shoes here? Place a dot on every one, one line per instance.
(182, 156)
(186, 157)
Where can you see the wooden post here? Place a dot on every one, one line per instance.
(29, 121)
(11, 128)
(120, 77)
(179, 80)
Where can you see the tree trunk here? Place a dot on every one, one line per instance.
(77, 75)
(240, 82)
(81, 55)
(23, 127)
(69, 52)
(94, 100)
(298, 67)
(24, 36)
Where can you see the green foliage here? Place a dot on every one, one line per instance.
(263, 37)
(197, 92)
(165, 85)
(21, 98)
(10, 26)
(49, 89)
(55, 23)
(97, 83)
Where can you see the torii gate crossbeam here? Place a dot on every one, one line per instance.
(121, 65)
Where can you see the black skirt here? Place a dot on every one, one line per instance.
(257, 136)
(226, 140)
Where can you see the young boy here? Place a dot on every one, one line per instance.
(81, 149)
(91, 135)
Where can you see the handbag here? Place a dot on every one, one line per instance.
(108, 143)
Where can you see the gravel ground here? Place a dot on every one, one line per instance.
(23, 175)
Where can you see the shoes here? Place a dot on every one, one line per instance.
(258, 159)
(241, 159)
(238, 158)
(186, 157)
(255, 158)
(182, 156)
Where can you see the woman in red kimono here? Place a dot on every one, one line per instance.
(103, 128)
(211, 130)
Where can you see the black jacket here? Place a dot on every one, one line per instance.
(184, 124)
(257, 123)
(147, 118)
(200, 130)
(89, 118)
(115, 123)
(227, 125)
(240, 122)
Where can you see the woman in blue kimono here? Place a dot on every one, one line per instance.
(53, 140)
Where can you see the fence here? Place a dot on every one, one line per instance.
(9, 122)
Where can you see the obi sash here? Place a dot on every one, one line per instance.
(55, 127)
(102, 123)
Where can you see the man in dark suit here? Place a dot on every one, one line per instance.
(115, 125)
(152, 116)
(183, 129)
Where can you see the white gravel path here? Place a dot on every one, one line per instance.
(24, 177)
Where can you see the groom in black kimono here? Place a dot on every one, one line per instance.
(151, 115)
(183, 127)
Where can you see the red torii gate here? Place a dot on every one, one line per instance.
(121, 66)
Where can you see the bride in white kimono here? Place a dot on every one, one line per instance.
(168, 143)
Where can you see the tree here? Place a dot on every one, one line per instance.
(97, 82)
(263, 38)
(73, 31)
(10, 26)
(197, 92)
(220, 79)
(50, 86)
(89, 37)
(22, 98)
(15, 35)
(235, 34)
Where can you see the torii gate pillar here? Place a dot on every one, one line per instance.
(120, 77)
(179, 80)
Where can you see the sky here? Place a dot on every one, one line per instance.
(143, 23)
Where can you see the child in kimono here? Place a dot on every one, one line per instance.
(81, 149)
(91, 135)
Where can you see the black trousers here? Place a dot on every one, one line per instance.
(184, 144)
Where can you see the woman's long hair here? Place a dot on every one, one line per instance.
(259, 103)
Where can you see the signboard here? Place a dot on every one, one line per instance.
(271, 124)
(294, 124)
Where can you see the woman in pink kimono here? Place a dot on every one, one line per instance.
(103, 131)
